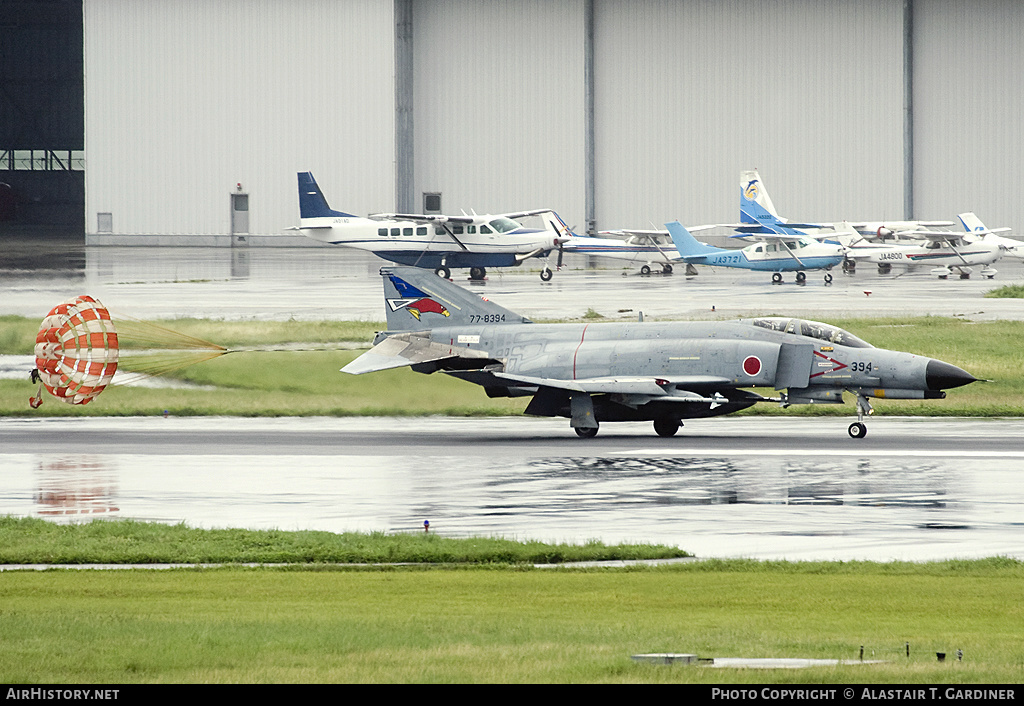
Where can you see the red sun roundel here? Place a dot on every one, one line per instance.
(752, 365)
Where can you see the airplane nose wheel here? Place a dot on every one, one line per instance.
(858, 430)
(443, 271)
(545, 275)
(586, 432)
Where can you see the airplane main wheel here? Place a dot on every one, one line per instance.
(477, 273)
(858, 430)
(666, 427)
(776, 278)
(586, 432)
(545, 275)
(666, 269)
(645, 270)
(801, 277)
(443, 271)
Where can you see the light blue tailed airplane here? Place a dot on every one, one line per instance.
(774, 252)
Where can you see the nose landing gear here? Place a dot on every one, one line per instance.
(858, 430)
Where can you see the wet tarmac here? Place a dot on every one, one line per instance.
(765, 488)
(335, 283)
(914, 489)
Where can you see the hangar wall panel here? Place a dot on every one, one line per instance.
(184, 100)
(690, 93)
(969, 103)
(499, 104)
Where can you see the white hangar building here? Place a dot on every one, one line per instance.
(616, 114)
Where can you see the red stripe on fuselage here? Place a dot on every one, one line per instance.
(577, 351)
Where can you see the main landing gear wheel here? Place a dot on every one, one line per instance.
(666, 269)
(477, 273)
(545, 275)
(776, 278)
(858, 430)
(586, 432)
(666, 427)
(443, 271)
(645, 270)
(801, 277)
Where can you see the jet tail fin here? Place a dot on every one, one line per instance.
(312, 202)
(418, 300)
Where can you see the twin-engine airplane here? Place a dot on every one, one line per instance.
(431, 241)
(662, 372)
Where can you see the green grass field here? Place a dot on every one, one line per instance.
(36, 541)
(512, 625)
(307, 382)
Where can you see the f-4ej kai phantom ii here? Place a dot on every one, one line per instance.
(661, 372)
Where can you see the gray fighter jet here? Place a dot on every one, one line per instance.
(662, 372)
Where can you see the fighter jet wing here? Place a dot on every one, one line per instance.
(626, 385)
(403, 349)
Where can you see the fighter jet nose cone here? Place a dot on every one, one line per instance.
(942, 376)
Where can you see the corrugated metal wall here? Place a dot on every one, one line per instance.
(184, 99)
(969, 110)
(187, 99)
(690, 93)
(499, 104)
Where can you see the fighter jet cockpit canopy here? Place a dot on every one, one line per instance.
(812, 329)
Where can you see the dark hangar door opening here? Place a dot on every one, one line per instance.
(42, 118)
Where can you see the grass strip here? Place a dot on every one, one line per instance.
(36, 541)
(503, 625)
(307, 383)
(1009, 291)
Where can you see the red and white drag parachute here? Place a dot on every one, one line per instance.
(76, 351)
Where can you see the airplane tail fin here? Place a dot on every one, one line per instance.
(418, 300)
(312, 203)
(685, 243)
(971, 223)
(756, 206)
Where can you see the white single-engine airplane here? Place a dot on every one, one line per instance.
(429, 241)
(882, 243)
(652, 247)
(758, 215)
(978, 232)
(943, 251)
